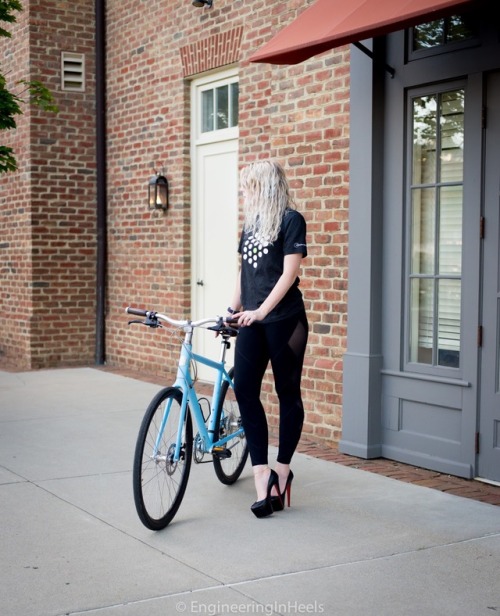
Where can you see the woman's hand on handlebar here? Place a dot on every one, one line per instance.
(247, 317)
(231, 320)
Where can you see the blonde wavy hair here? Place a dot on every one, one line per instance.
(266, 198)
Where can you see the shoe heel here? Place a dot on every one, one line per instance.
(278, 502)
(288, 491)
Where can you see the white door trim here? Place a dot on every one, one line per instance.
(214, 215)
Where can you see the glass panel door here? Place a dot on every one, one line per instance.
(436, 200)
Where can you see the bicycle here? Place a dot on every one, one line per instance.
(165, 444)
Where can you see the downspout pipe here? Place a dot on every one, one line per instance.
(101, 180)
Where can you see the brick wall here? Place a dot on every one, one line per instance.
(15, 218)
(300, 115)
(297, 114)
(48, 284)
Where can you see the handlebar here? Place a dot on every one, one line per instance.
(137, 311)
(152, 319)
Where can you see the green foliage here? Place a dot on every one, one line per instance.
(6, 14)
(7, 159)
(34, 92)
(39, 95)
(9, 106)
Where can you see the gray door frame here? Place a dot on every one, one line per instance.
(489, 408)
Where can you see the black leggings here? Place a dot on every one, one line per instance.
(284, 343)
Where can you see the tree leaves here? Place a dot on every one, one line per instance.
(9, 106)
(40, 95)
(6, 14)
(7, 159)
(34, 93)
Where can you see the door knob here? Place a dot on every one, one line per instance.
(199, 283)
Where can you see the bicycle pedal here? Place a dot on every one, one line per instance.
(221, 452)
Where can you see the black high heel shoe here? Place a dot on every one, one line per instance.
(263, 508)
(278, 502)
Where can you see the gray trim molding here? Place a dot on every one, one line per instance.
(361, 416)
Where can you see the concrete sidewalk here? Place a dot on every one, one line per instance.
(353, 543)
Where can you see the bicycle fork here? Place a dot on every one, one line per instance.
(174, 451)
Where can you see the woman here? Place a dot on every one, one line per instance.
(269, 308)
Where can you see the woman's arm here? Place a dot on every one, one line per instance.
(236, 301)
(291, 269)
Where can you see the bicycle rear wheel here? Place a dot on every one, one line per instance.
(159, 482)
(228, 420)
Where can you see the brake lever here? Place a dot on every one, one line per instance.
(222, 328)
(148, 322)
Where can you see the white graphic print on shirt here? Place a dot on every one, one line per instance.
(253, 249)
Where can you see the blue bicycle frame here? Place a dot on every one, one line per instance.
(184, 382)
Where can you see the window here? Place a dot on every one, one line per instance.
(436, 202)
(437, 36)
(72, 71)
(219, 107)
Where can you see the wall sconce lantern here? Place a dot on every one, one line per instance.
(203, 3)
(158, 192)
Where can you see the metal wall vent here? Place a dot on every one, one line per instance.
(72, 71)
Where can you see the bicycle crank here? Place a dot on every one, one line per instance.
(222, 452)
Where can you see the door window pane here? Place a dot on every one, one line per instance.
(448, 323)
(423, 230)
(436, 193)
(460, 28)
(424, 140)
(219, 107)
(222, 118)
(452, 136)
(207, 111)
(430, 34)
(421, 320)
(234, 100)
(450, 230)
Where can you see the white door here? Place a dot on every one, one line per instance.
(214, 206)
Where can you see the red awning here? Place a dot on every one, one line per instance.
(330, 23)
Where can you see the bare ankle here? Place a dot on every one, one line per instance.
(259, 469)
(261, 477)
(282, 469)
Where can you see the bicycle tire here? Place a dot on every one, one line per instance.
(159, 484)
(228, 419)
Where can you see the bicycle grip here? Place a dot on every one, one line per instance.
(137, 311)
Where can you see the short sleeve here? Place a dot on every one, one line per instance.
(294, 234)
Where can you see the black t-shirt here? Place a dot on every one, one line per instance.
(262, 265)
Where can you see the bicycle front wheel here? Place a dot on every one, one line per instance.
(228, 421)
(159, 481)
